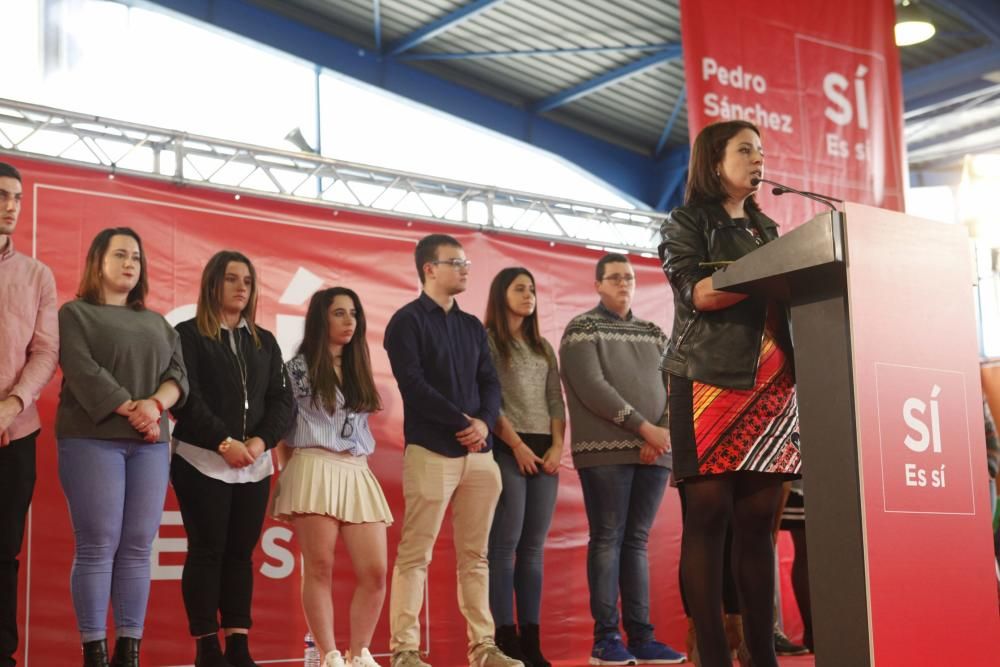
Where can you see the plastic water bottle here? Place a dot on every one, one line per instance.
(312, 657)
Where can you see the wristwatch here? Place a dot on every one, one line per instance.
(225, 445)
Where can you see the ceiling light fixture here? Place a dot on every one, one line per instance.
(913, 26)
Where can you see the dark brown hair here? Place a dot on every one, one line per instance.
(704, 185)
(426, 250)
(9, 171)
(209, 314)
(496, 315)
(90, 289)
(358, 383)
(610, 258)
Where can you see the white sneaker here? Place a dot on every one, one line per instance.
(334, 659)
(363, 660)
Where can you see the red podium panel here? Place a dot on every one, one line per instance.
(931, 577)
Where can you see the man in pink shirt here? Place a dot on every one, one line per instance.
(29, 351)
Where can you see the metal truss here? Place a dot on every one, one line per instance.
(182, 158)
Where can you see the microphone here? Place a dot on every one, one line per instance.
(780, 189)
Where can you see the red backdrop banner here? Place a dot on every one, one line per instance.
(298, 249)
(820, 80)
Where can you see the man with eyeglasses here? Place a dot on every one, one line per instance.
(451, 399)
(29, 350)
(617, 401)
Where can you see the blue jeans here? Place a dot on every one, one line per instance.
(520, 526)
(115, 491)
(621, 502)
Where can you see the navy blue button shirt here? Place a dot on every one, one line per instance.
(442, 364)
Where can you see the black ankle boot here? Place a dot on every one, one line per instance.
(238, 650)
(95, 653)
(209, 653)
(508, 642)
(530, 647)
(126, 652)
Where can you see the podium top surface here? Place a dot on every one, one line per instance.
(767, 271)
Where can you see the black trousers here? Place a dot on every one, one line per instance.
(17, 483)
(223, 523)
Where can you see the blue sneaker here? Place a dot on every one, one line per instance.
(652, 652)
(611, 651)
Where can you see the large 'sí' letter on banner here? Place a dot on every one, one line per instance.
(820, 80)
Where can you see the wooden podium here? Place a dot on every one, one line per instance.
(901, 565)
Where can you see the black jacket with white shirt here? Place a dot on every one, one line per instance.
(239, 394)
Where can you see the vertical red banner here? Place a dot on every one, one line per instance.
(820, 80)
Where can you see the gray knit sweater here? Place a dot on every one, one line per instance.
(610, 368)
(530, 395)
(109, 355)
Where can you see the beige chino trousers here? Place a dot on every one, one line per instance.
(430, 483)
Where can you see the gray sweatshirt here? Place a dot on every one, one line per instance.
(109, 355)
(611, 371)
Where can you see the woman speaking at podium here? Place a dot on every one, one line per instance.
(733, 415)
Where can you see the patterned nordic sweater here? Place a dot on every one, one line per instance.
(611, 371)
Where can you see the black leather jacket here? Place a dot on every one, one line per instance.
(718, 347)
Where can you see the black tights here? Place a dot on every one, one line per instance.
(800, 581)
(730, 598)
(751, 500)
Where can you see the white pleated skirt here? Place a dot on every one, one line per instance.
(335, 484)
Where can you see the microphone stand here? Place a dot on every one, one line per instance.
(780, 189)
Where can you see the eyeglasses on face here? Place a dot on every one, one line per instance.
(455, 263)
(626, 278)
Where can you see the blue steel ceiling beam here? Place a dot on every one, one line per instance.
(635, 176)
(443, 24)
(952, 135)
(931, 84)
(680, 104)
(674, 182)
(951, 158)
(673, 170)
(585, 88)
(953, 104)
(531, 53)
(920, 125)
(920, 107)
(979, 14)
